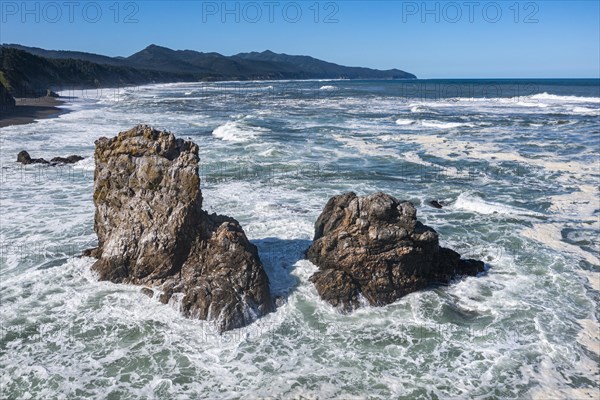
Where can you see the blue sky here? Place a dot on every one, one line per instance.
(434, 39)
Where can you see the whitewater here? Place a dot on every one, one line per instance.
(519, 177)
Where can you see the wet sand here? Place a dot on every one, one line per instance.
(28, 110)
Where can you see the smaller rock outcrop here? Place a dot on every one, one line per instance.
(152, 231)
(50, 93)
(436, 204)
(67, 160)
(24, 158)
(374, 248)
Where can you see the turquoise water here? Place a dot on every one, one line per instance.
(516, 163)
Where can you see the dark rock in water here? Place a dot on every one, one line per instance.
(147, 291)
(436, 204)
(67, 160)
(50, 93)
(152, 231)
(374, 247)
(24, 158)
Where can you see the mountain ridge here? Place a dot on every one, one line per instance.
(32, 68)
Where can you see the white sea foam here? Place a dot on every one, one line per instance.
(577, 209)
(365, 146)
(402, 121)
(546, 103)
(471, 202)
(565, 99)
(444, 125)
(448, 172)
(328, 87)
(421, 108)
(234, 131)
(428, 123)
(586, 111)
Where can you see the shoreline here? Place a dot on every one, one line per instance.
(30, 110)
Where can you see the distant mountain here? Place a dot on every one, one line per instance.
(212, 64)
(31, 67)
(325, 69)
(75, 55)
(265, 65)
(28, 75)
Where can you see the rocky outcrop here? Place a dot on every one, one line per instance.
(24, 158)
(373, 248)
(152, 231)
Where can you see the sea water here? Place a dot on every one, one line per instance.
(515, 163)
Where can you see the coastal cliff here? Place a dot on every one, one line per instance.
(6, 100)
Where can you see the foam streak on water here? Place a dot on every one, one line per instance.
(519, 177)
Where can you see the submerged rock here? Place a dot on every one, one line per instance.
(373, 247)
(152, 231)
(436, 204)
(24, 158)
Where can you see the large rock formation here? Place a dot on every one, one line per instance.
(152, 231)
(374, 247)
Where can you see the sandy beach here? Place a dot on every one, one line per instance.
(28, 110)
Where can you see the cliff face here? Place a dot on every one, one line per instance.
(152, 231)
(6, 100)
(373, 247)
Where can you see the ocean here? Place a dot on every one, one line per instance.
(516, 164)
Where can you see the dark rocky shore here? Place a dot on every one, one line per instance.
(28, 110)
(153, 232)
